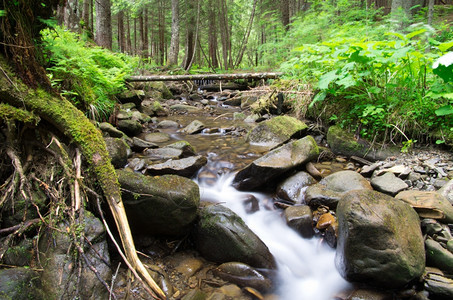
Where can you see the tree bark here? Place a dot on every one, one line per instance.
(103, 24)
(71, 20)
(121, 35)
(128, 34)
(430, 12)
(174, 43)
(212, 36)
(86, 16)
(284, 6)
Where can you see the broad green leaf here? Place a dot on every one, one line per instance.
(415, 33)
(319, 97)
(443, 67)
(448, 96)
(326, 79)
(347, 81)
(445, 46)
(444, 110)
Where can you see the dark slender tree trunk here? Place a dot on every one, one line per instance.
(103, 24)
(86, 16)
(284, 6)
(128, 34)
(121, 35)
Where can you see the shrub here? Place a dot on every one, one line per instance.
(87, 75)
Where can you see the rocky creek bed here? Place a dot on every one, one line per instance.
(205, 183)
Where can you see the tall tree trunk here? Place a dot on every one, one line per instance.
(121, 35)
(212, 35)
(71, 19)
(430, 12)
(161, 32)
(141, 30)
(174, 43)
(225, 34)
(145, 33)
(86, 16)
(128, 34)
(135, 36)
(103, 24)
(284, 6)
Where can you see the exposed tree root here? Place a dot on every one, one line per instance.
(70, 121)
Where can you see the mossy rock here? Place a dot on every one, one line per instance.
(20, 283)
(344, 143)
(161, 204)
(276, 131)
(161, 87)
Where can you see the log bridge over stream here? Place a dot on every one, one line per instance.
(200, 77)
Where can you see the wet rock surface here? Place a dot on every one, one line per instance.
(379, 240)
(165, 210)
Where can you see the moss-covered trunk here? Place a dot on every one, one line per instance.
(73, 123)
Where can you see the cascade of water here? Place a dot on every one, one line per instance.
(306, 269)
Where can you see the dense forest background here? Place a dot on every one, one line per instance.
(371, 66)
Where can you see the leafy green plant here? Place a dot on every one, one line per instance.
(87, 75)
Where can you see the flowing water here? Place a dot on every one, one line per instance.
(306, 269)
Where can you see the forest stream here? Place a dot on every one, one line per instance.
(306, 268)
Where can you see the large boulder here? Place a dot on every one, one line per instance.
(130, 127)
(380, 242)
(275, 163)
(276, 131)
(118, 151)
(222, 236)
(159, 205)
(60, 277)
(331, 188)
(344, 143)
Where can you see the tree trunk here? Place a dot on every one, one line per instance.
(71, 20)
(284, 6)
(174, 43)
(128, 34)
(146, 33)
(103, 24)
(212, 35)
(121, 35)
(86, 16)
(190, 33)
(225, 34)
(161, 33)
(141, 30)
(430, 12)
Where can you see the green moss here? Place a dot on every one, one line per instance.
(8, 112)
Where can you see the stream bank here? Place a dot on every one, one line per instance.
(203, 141)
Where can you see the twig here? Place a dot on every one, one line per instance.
(113, 280)
(145, 286)
(77, 165)
(19, 227)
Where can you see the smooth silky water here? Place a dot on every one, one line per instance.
(306, 268)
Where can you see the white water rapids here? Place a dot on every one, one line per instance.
(306, 269)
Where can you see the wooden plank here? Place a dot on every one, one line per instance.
(204, 77)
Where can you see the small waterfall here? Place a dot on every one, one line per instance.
(306, 269)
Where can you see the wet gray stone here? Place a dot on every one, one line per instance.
(388, 183)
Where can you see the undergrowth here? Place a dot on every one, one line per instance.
(87, 75)
(369, 75)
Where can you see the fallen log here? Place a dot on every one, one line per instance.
(204, 77)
